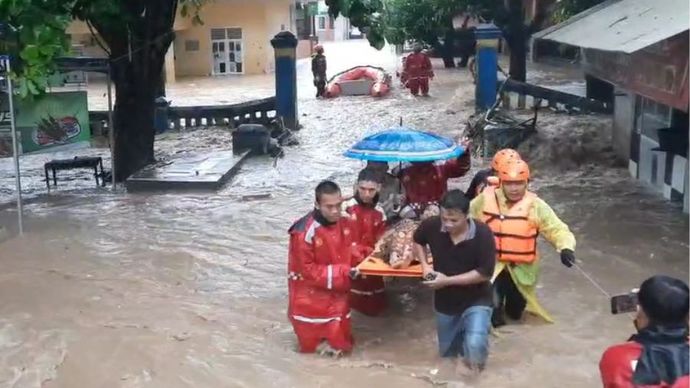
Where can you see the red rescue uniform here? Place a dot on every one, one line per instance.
(369, 221)
(319, 260)
(427, 182)
(416, 72)
(618, 364)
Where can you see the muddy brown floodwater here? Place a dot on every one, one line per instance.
(109, 289)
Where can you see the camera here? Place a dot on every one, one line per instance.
(625, 303)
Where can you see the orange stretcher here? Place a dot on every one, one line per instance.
(376, 267)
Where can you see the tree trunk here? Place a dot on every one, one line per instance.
(518, 59)
(138, 44)
(163, 80)
(448, 51)
(517, 41)
(134, 132)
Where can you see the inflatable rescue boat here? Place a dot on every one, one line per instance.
(359, 80)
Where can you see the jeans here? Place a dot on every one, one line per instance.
(465, 335)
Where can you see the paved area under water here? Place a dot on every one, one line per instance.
(109, 289)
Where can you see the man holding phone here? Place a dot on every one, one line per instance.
(464, 255)
(657, 356)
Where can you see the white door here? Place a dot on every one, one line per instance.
(220, 65)
(227, 49)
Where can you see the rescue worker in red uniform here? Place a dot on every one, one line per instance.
(367, 292)
(657, 356)
(417, 70)
(426, 182)
(321, 253)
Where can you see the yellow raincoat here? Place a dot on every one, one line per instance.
(551, 227)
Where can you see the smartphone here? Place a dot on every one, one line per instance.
(625, 303)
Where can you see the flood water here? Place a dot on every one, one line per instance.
(109, 289)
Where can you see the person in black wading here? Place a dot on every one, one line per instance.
(657, 356)
(464, 256)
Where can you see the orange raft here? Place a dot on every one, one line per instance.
(377, 267)
(381, 80)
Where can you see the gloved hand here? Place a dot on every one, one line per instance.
(567, 257)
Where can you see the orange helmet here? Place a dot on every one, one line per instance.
(504, 155)
(513, 171)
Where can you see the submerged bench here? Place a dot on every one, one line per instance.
(70, 164)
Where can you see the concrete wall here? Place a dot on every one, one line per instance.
(259, 21)
(170, 74)
(304, 48)
(280, 16)
(623, 122)
(339, 32)
(666, 173)
(342, 29)
(249, 16)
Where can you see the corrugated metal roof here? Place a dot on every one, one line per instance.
(622, 25)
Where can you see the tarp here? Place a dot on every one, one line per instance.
(622, 25)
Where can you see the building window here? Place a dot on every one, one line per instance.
(191, 45)
(651, 116)
(234, 33)
(321, 23)
(217, 33)
(331, 23)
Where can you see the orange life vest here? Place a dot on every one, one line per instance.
(516, 236)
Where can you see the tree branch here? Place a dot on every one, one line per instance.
(97, 38)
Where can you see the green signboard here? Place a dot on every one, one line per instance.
(51, 120)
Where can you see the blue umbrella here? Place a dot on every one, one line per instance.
(403, 144)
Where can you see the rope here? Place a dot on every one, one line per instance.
(591, 280)
(597, 285)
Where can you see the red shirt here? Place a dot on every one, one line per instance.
(427, 182)
(417, 65)
(369, 222)
(618, 364)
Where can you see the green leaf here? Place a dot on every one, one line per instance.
(23, 88)
(32, 87)
(30, 53)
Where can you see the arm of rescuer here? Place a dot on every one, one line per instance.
(419, 243)
(327, 276)
(455, 168)
(552, 228)
(616, 365)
